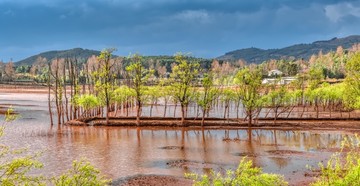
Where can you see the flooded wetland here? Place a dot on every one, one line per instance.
(121, 152)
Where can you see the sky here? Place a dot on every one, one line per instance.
(203, 28)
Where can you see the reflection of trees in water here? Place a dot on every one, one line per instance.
(139, 145)
(280, 161)
(304, 140)
(204, 150)
(250, 149)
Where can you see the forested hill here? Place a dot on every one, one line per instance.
(250, 55)
(76, 52)
(256, 55)
(84, 54)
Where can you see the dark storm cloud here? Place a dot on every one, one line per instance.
(208, 28)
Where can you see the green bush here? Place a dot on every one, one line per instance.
(15, 166)
(245, 174)
(82, 173)
(343, 168)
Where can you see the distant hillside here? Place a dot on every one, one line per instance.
(163, 60)
(76, 52)
(256, 55)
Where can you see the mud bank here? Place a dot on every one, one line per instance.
(352, 124)
(152, 180)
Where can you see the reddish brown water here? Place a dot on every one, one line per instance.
(120, 152)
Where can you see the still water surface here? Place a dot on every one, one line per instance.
(120, 152)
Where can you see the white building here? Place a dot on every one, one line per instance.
(274, 72)
(281, 81)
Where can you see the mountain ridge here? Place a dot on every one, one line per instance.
(49, 55)
(250, 55)
(298, 51)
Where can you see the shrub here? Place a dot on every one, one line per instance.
(82, 173)
(343, 168)
(245, 174)
(15, 167)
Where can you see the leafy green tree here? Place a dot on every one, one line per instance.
(315, 77)
(279, 100)
(122, 96)
(248, 82)
(207, 96)
(245, 174)
(314, 97)
(227, 95)
(105, 78)
(154, 95)
(87, 102)
(140, 76)
(352, 81)
(335, 95)
(182, 81)
(22, 69)
(165, 94)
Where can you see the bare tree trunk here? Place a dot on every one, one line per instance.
(175, 110)
(107, 115)
(203, 118)
(138, 111)
(267, 113)
(127, 108)
(197, 110)
(275, 114)
(71, 78)
(49, 96)
(57, 96)
(75, 91)
(165, 106)
(225, 108)
(250, 119)
(237, 109)
(65, 93)
(62, 113)
(183, 114)
(292, 108)
(302, 113)
(151, 108)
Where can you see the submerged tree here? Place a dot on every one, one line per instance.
(123, 96)
(279, 101)
(87, 102)
(182, 79)
(248, 82)
(139, 75)
(207, 96)
(352, 82)
(105, 78)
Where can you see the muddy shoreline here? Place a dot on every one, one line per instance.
(23, 89)
(152, 180)
(343, 124)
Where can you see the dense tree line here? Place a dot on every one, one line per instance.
(109, 86)
(94, 89)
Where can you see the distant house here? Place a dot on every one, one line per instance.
(274, 72)
(281, 81)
